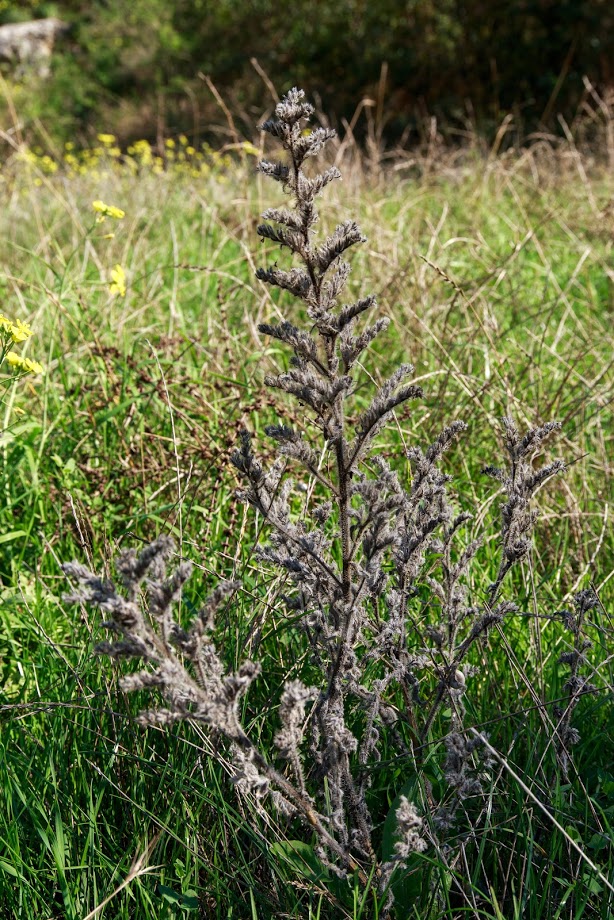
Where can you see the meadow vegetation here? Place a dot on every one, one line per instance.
(136, 271)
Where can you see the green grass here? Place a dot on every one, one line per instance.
(498, 277)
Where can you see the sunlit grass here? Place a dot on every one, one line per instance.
(498, 278)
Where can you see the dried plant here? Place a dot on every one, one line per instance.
(360, 554)
(576, 684)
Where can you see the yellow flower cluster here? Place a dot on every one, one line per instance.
(118, 281)
(24, 364)
(107, 210)
(16, 331)
(177, 157)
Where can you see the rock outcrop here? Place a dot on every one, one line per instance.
(29, 45)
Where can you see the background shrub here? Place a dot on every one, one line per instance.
(467, 62)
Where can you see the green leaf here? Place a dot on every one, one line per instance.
(7, 867)
(301, 858)
(187, 901)
(591, 883)
(13, 535)
(599, 842)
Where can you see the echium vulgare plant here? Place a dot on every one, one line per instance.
(360, 557)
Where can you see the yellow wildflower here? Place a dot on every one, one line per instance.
(107, 210)
(18, 330)
(48, 165)
(107, 139)
(250, 149)
(141, 150)
(6, 324)
(24, 364)
(118, 281)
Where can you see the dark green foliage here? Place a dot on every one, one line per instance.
(469, 63)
